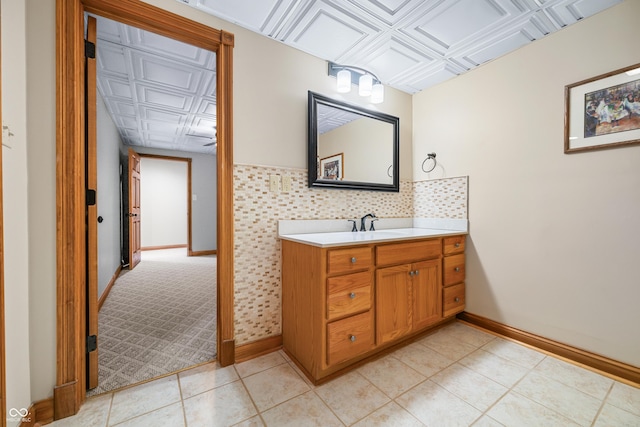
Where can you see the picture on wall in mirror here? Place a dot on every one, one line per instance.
(604, 111)
(332, 167)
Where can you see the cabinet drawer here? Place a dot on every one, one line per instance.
(350, 259)
(454, 270)
(453, 245)
(408, 252)
(349, 337)
(453, 300)
(348, 294)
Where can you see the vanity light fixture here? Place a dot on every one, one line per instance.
(367, 82)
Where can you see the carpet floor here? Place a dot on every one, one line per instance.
(158, 318)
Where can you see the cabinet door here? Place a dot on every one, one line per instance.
(427, 293)
(393, 303)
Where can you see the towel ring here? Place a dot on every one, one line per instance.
(430, 156)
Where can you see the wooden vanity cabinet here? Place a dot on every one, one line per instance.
(453, 299)
(343, 304)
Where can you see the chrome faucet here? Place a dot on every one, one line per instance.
(363, 219)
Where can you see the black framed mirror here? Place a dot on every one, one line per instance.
(351, 147)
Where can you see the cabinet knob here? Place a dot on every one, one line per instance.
(352, 338)
(456, 299)
(353, 260)
(352, 295)
(416, 272)
(457, 269)
(411, 273)
(457, 245)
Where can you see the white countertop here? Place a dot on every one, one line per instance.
(342, 238)
(328, 233)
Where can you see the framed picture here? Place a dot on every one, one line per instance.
(332, 167)
(603, 111)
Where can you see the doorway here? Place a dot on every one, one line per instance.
(159, 317)
(69, 392)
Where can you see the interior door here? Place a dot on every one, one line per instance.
(134, 209)
(91, 171)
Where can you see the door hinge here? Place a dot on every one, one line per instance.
(92, 343)
(91, 197)
(89, 49)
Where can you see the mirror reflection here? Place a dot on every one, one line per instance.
(351, 147)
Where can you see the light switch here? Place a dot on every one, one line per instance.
(286, 184)
(194, 197)
(274, 183)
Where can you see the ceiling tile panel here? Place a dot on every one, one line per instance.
(123, 108)
(166, 128)
(387, 11)
(110, 31)
(117, 87)
(127, 122)
(247, 13)
(566, 12)
(173, 117)
(329, 29)
(327, 36)
(208, 107)
(111, 59)
(455, 23)
(168, 74)
(164, 47)
(164, 98)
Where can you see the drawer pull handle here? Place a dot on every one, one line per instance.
(457, 269)
(352, 295)
(456, 299)
(457, 245)
(352, 338)
(353, 260)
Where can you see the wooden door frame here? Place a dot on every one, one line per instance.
(70, 389)
(188, 161)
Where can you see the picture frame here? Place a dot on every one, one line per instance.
(603, 111)
(332, 167)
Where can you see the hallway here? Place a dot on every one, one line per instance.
(158, 318)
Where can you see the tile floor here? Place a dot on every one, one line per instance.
(458, 376)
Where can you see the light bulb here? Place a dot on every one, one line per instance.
(344, 81)
(377, 93)
(365, 85)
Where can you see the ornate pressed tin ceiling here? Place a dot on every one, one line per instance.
(409, 44)
(161, 93)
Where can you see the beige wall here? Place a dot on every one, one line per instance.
(41, 175)
(14, 165)
(554, 238)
